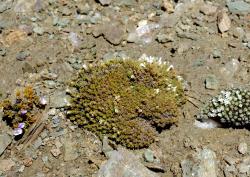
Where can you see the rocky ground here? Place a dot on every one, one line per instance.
(44, 43)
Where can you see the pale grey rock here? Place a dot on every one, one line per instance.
(105, 2)
(70, 149)
(148, 155)
(37, 143)
(106, 148)
(238, 7)
(242, 148)
(201, 164)
(5, 141)
(211, 82)
(224, 22)
(124, 163)
(59, 99)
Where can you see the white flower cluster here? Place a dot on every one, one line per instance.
(231, 107)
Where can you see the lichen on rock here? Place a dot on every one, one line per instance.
(231, 107)
(126, 100)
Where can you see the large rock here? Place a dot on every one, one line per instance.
(238, 7)
(201, 164)
(123, 163)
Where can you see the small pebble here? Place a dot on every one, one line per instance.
(22, 55)
(38, 30)
(55, 152)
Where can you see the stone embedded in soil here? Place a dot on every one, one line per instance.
(6, 164)
(59, 99)
(224, 22)
(70, 149)
(238, 7)
(208, 9)
(55, 152)
(242, 148)
(5, 141)
(148, 155)
(38, 30)
(211, 82)
(124, 163)
(3, 52)
(201, 164)
(22, 55)
(163, 38)
(217, 53)
(113, 33)
(106, 148)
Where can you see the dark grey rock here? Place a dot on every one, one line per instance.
(5, 141)
(123, 163)
(238, 7)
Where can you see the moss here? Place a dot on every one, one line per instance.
(22, 110)
(126, 100)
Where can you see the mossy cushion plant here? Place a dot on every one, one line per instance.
(126, 100)
(231, 108)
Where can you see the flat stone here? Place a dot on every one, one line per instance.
(124, 163)
(208, 9)
(243, 168)
(224, 22)
(5, 141)
(70, 149)
(238, 7)
(163, 38)
(59, 99)
(211, 82)
(6, 165)
(113, 33)
(200, 164)
(37, 143)
(105, 2)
